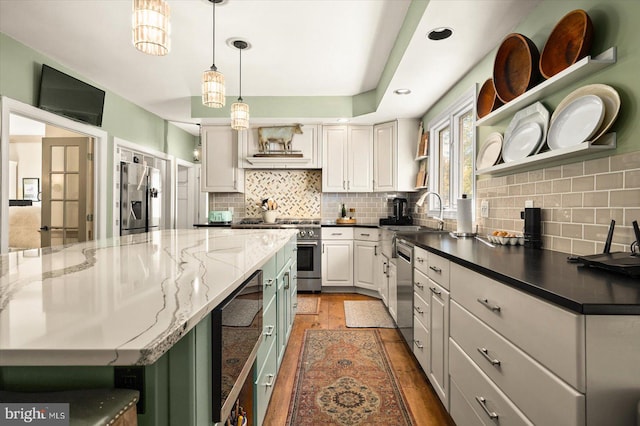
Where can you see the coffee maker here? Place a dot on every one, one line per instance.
(400, 213)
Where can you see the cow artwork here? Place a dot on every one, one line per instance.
(278, 134)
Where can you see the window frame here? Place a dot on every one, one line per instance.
(450, 117)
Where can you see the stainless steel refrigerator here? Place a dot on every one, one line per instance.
(140, 198)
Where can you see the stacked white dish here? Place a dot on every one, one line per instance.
(526, 133)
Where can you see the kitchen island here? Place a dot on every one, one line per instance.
(69, 315)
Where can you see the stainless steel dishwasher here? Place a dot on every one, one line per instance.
(404, 290)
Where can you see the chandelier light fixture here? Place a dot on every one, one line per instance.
(212, 80)
(240, 110)
(151, 28)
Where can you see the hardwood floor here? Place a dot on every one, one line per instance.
(420, 397)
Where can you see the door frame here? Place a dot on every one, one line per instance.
(12, 106)
(192, 196)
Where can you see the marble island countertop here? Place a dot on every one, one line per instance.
(124, 300)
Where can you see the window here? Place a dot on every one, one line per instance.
(452, 140)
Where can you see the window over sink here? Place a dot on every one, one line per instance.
(452, 142)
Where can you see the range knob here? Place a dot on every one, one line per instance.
(302, 234)
(310, 233)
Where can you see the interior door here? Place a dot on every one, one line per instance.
(67, 179)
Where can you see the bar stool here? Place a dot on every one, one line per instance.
(87, 407)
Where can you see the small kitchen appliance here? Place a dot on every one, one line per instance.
(532, 226)
(220, 216)
(400, 216)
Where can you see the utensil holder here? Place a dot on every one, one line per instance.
(270, 216)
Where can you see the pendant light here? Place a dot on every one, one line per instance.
(240, 110)
(212, 80)
(150, 26)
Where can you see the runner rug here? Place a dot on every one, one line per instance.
(344, 378)
(308, 305)
(367, 313)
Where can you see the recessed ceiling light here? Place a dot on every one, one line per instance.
(402, 91)
(439, 33)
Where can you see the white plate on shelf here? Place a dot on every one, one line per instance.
(609, 96)
(523, 142)
(489, 153)
(577, 122)
(535, 112)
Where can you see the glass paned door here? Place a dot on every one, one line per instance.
(65, 185)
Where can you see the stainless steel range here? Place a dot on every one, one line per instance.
(309, 254)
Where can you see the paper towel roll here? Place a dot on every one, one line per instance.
(465, 221)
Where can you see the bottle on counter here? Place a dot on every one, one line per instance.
(344, 211)
(352, 213)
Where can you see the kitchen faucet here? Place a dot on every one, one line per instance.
(440, 219)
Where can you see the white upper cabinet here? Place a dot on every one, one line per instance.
(219, 172)
(394, 150)
(347, 159)
(305, 146)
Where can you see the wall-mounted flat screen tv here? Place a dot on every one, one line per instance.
(65, 95)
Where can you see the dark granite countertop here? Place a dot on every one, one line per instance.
(543, 273)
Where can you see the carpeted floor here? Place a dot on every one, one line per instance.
(364, 313)
(344, 378)
(308, 305)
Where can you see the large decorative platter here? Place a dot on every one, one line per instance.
(609, 96)
(523, 142)
(577, 122)
(489, 153)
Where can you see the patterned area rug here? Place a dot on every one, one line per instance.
(344, 379)
(365, 313)
(308, 305)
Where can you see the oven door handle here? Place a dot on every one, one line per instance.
(305, 243)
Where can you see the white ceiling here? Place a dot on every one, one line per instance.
(298, 47)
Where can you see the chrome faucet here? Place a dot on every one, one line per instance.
(440, 219)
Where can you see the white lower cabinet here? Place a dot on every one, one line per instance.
(421, 331)
(438, 371)
(382, 278)
(366, 252)
(476, 392)
(337, 257)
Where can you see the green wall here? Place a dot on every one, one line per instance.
(615, 24)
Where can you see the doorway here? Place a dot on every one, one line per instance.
(12, 188)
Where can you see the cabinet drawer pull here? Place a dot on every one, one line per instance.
(418, 344)
(336, 233)
(269, 382)
(418, 310)
(269, 282)
(269, 331)
(419, 285)
(435, 269)
(486, 304)
(485, 353)
(483, 403)
(435, 291)
(375, 250)
(420, 260)
(364, 235)
(295, 306)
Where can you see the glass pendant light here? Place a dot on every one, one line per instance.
(212, 80)
(151, 29)
(240, 110)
